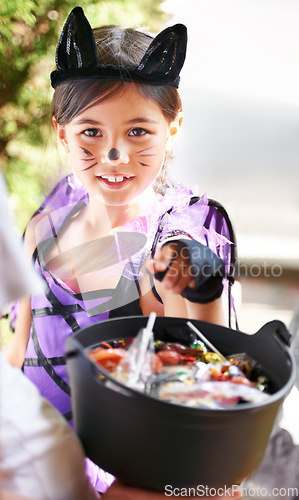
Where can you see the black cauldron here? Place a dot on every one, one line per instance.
(150, 443)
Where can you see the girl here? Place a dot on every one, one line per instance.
(114, 238)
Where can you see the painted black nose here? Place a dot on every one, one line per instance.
(113, 154)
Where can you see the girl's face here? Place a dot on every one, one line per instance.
(117, 147)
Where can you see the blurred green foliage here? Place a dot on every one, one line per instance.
(29, 31)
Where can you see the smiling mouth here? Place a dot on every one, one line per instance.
(112, 178)
(115, 181)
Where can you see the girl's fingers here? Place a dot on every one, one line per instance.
(192, 283)
(162, 260)
(178, 275)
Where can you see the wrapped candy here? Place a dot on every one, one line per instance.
(182, 374)
(140, 360)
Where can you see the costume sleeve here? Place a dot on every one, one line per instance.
(200, 222)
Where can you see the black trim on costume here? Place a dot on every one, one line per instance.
(70, 320)
(68, 416)
(158, 232)
(46, 365)
(154, 290)
(42, 360)
(57, 310)
(123, 288)
(59, 360)
(153, 250)
(233, 244)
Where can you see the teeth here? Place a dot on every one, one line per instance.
(111, 178)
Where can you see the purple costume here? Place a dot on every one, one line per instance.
(60, 312)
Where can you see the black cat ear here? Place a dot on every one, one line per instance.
(76, 56)
(166, 54)
(76, 47)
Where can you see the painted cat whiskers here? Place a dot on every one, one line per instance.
(145, 155)
(88, 153)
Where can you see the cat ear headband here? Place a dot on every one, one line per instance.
(76, 56)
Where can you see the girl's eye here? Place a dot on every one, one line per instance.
(92, 132)
(138, 131)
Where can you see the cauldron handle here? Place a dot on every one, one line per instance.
(276, 328)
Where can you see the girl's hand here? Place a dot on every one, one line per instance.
(119, 491)
(172, 266)
(191, 269)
